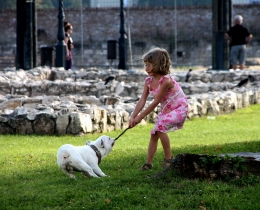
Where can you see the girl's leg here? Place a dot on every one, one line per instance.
(166, 144)
(152, 148)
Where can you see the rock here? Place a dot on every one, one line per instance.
(203, 167)
(62, 122)
(22, 126)
(58, 102)
(44, 124)
(79, 122)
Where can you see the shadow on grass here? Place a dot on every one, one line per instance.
(120, 166)
(48, 186)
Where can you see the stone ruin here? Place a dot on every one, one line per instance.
(46, 101)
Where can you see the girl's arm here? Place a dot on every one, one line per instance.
(67, 49)
(140, 105)
(165, 85)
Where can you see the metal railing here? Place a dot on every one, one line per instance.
(183, 27)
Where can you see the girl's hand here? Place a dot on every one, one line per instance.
(134, 121)
(131, 123)
(137, 120)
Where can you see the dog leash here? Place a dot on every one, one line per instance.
(121, 133)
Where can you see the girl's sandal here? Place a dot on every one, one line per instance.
(167, 162)
(146, 167)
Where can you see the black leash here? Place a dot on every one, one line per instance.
(121, 133)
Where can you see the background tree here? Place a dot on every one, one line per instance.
(7, 4)
(45, 4)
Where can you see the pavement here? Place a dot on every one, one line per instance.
(251, 155)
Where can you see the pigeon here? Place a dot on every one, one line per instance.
(110, 79)
(188, 76)
(245, 81)
(132, 100)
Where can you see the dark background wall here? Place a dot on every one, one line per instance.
(149, 27)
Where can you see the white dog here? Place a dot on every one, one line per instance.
(85, 158)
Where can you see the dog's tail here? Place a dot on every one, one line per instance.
(63, 162)
(63, 159)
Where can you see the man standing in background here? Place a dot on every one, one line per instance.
(239, 38)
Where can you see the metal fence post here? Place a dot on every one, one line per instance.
(60, 46)
(26, 39)
(122, 40)
(221, 10)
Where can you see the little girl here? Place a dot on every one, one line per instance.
(174, 106)
(69, 45)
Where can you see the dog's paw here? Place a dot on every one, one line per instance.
(72, 176)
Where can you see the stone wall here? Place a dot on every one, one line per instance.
(57, 102)
(149, 27)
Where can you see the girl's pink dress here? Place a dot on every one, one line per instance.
(174, 107)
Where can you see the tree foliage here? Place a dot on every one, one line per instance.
(41, 4)
(7, 4)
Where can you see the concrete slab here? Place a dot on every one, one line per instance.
(253, 155)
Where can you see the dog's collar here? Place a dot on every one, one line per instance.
(97, 152)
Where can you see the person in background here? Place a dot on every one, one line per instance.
(166, 92)
(239, 37)
(65, 23)
(69, 44)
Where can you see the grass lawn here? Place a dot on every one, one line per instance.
(30, 178)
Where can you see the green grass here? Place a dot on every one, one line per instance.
(30, 178)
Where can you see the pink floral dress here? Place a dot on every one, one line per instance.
(174, 107)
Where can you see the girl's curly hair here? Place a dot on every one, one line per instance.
(67, 27)
(160, 60)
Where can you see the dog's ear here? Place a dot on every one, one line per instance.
(88, 142)
(102, 144)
